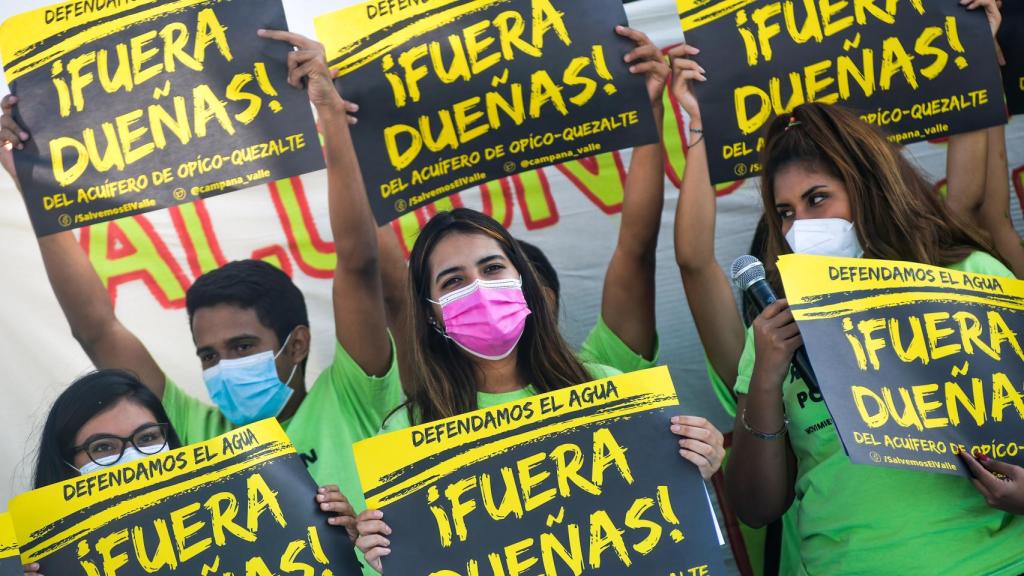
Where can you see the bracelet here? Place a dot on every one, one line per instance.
(762, 435)
(699, 138)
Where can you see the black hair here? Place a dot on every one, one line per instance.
(255, 285)
(82, 401)
(542, 265)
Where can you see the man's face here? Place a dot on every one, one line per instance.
(226, 331)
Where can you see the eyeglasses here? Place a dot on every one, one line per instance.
(147, 439)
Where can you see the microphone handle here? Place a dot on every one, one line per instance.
(762, 294)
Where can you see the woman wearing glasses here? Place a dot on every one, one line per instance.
(109, 417)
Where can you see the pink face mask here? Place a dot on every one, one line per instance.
(486, 318)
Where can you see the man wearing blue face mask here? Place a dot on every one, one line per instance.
(251, 329)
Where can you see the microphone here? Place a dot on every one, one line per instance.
(748, 275)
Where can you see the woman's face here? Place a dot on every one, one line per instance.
(459, 259)
(802, 193)
(121, 419)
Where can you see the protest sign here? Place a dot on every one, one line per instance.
(919, 70)
(10, 563)
(136, 106)
(238, 504)
(1011, 40)
(455, 93)
(915, 363)
(583, 480)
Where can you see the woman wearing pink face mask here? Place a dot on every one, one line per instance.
(484, 334)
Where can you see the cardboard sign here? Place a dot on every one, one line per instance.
(455, 93)
(10, 563)
(919, 70)
(238, 504)
(915, 362)
(139, 105)
(585, 480)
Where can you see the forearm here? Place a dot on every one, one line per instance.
(79, 290)
(994, 215)
(965, 182)
(717, 319)
(695, 212)
(352, 222)
(761, 473)
(627, 304)
(360, 317)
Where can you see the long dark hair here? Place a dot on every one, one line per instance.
(896, 213)
(83, 400)
(444, 382)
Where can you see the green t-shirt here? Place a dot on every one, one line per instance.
(858, 519)
(399, 419)
(603, 346)
(344, 406)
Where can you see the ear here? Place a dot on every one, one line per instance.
(298, 344)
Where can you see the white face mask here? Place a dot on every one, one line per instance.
(824, 237)
(131, 454)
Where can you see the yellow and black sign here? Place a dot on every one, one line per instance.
(919, 69)
(1011, 40)
(584, 480)
(241, 504)
(916, 363)
(455, 93)
(10, 564)
(136, 105)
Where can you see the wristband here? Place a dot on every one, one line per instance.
(762, 435)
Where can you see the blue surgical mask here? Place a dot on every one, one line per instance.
(131, 454)
(248, 389)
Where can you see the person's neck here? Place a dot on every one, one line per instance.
(295, 401)
(499, 376)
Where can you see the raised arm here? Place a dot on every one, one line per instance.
(395, 275)
(966, 157)
(707, 289)
(994, 214)
(79, 290)
(360, 321)
(627, 304)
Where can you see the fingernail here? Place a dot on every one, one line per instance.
(378, 514)
(632, 68)
(982, 458)
(323, 506)
(320, 497)
(261, 31)
(701, 70)
(677, 429)
(675, 419)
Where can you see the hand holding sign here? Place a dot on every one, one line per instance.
(701, 443)
(1006, 491)
(307, 65)
(646, 59)
(684, 71)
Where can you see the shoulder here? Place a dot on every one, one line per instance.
(982, 263)
(598, 371)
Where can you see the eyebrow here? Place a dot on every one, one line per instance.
(803, 196)
(232, 340)
(480, 262)
(811, 190)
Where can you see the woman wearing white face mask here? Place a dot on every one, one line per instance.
(109, 417)
(833, 185)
